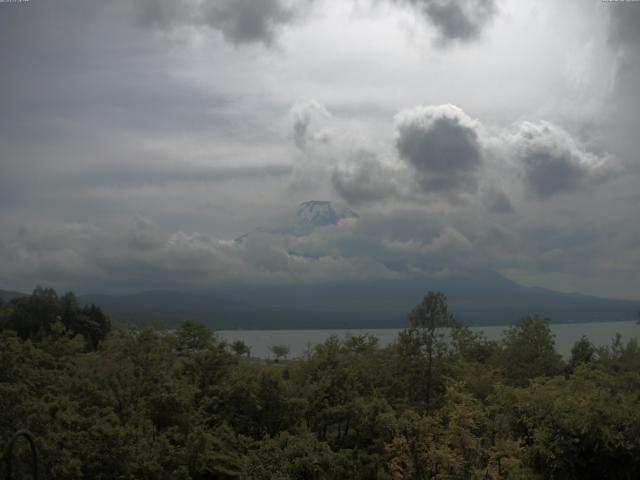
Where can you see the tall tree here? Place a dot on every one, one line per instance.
(280, 351)
(193, 336)
(427, 321)
(529, 351)
(239, 347)
(583, 351)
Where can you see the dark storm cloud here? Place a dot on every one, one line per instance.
(553, 162)
(443, 155)
(456, 20)
(363, 179)
(240, 21)
(302, 114)
(443, 146)
(498, 201)
(623, 120)
(165, 13)
(245, 21)
(547, 173)
(625, 24)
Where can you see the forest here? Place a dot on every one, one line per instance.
(441, 402)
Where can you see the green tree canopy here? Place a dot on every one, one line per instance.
(529, 351)
(192, 336)
(33, 317)
(280, 350)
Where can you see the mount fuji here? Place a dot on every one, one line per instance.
(308, 217)
(316, 213)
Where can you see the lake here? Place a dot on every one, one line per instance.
(298, 340)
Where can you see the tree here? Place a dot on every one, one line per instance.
(426, 323)
(240, 348)
(361, 344)
(89, 321)
(193, 336)
(280, 351)
(34, 317)
(586, 426)
(583, 351)
(289, 457)
(529, 351)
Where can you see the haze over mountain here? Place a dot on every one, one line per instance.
(485, 298)
(477, 297)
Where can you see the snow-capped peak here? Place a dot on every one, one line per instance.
(316, 213)
(309, 216)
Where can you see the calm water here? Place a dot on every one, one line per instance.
(298, 340)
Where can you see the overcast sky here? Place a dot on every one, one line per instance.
(139, 138)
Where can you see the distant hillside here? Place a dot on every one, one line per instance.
(482, 298)
(7, 295)
(171, 308)
(485, 298)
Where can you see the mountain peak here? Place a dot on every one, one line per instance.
(320, 213)
(309, 216)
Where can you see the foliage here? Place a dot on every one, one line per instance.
(583, 351)
(34, 317)
(240, 348)
(192, 336)
(439, 403)
(528, 351)
(280, 351)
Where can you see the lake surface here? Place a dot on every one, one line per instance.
(299, 340)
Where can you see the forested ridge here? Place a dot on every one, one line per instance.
(441, 402)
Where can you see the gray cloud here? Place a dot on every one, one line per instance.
(443, 155)
(239, 21)
(165, 13)
(302, 115)
(625, 22)
(246, 21)
(623, 119)
(497, 201)
(553, 162)
(364, 179)
(141, 255)
(442, 144)
(456, 20)
(397, 242)
(136, 176)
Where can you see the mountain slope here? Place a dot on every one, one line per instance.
(484, 298)
(170, 308)
(7, 295)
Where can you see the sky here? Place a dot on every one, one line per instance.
(139, 139)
